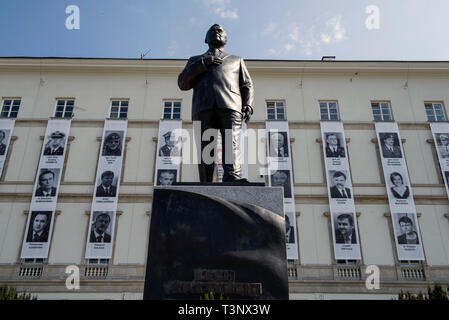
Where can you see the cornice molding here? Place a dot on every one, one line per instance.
(284, 67)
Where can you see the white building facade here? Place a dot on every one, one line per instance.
(355, 93)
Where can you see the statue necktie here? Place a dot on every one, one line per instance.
(215, 52)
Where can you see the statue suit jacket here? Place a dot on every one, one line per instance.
(228, 85)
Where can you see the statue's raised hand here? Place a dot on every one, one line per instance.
(210, 60)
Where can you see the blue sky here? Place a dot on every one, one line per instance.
(257, 29)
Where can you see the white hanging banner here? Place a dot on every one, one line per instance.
(281, 174)
(6, 128)
(440, 132)
(100, 236)
(400, 195)
(168, 159)
(341, 197)
(39, 226)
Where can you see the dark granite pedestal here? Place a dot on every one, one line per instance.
(229, 240)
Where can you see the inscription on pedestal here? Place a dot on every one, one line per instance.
(220, 282)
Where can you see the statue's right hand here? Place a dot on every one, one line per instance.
(211, 60)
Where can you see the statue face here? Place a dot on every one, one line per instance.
(216, 36)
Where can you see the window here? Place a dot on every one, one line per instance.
(329, 110)
(347, 262)
(409, 263)
(172, 110)
(381, 111)
(64, 108)
(435, 111)
(33, 260)
(10, 108)
(98, 261)
(276, 110)
(119, 109)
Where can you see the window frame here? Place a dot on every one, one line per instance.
(98, 261)
(276, 108)
(119, 111)
(172, 107)
(38, 261)
(443, 111)
(64, 110)
(382, 115)
(12, 99)
(327, 102)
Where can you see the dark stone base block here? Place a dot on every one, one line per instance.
(201, 243)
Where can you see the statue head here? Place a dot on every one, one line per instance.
(216, 36)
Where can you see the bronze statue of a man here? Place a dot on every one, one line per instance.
(222, 99)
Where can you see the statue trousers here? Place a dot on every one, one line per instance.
(229, 123)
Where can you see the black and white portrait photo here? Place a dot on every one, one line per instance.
(107, 184)
(170, 147)
(398, 188)
(55, 144)
(4, 135)
(39, 227)
(443, 144)
(339, 181)
(112, 143)
(289, 229)
(334, 145)
(390, 145)
(282, 178)
(47, 182)
(166, 177)
(100, 231)
(278, 144)
(406, 228)
(344, 228)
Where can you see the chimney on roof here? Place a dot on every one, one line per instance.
(328, 58)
